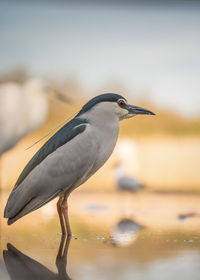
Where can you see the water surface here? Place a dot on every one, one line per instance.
(106, 244)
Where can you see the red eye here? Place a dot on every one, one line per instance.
(121, 102)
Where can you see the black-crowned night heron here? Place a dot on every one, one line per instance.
(70, 157)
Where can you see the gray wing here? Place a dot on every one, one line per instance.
(128, 183)
(61, 171)
(61, 137)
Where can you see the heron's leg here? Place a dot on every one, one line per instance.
(59, 209)
(64, 207)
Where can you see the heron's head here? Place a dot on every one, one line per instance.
(114, 104)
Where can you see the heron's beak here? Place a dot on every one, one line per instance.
(135, 110)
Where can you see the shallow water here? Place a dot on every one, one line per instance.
(106, 244)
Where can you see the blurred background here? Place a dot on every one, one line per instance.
(147, 51)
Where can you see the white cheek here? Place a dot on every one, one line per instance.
(121, 113)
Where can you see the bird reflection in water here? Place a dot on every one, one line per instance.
(22, 267)
(125, 232)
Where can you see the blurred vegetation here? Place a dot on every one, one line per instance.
(166, 122)
(18, 75)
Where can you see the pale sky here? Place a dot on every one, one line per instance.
(152, 48)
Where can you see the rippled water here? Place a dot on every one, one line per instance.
(122, 248)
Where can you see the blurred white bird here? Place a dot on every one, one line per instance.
(23, 109)
(127, 154)
(125, 182)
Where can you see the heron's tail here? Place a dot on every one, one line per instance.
(20, 204)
